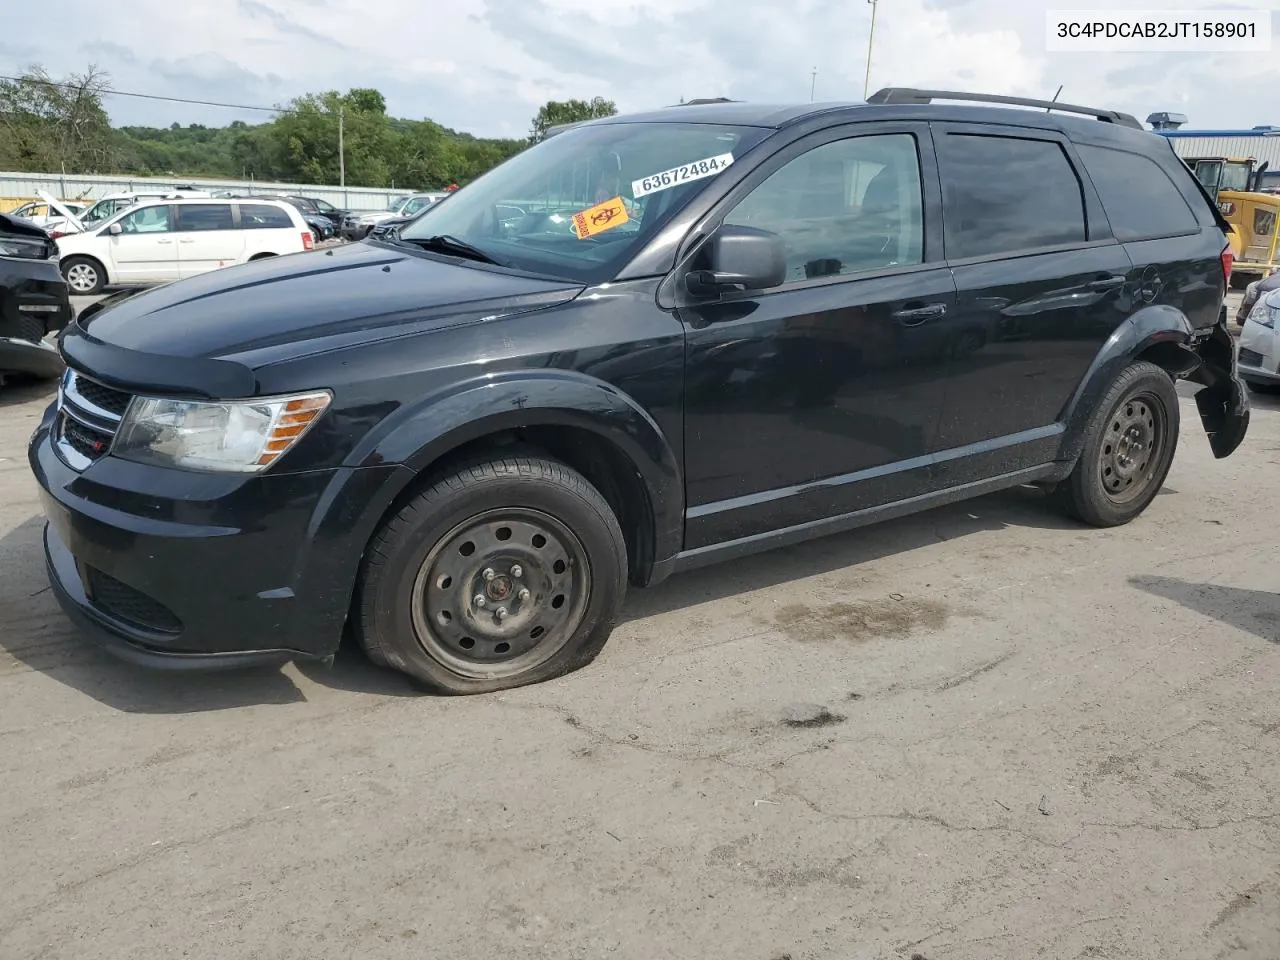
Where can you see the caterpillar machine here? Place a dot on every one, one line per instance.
(1235, 182)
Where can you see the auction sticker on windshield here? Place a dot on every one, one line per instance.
(681, 174)
(603, 216)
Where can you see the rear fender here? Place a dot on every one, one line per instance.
(420, 435)
(1206, 357)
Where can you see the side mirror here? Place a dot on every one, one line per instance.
(739, 258)
(115, 230)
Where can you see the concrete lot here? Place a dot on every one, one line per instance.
(1038, 740)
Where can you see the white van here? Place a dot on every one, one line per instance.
(159, 241)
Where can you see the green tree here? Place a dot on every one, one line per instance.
(555, 112)
(46, 124)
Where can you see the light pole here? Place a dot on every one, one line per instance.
(866, 83)
(342, 154)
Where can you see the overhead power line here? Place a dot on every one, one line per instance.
(109, 92)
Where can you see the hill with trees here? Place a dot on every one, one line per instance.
(48, 125)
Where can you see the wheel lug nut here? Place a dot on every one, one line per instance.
(524, 593)
(500, 613)
(480, 601)
(488, 573)
(517, 570)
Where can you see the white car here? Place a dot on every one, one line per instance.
(158, 241)
(70, 220)
(1259, 357)
(42, 214)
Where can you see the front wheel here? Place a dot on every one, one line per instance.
(1129, 447)
(505, 573)
(84, 276)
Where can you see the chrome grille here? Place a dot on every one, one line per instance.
(89, 414)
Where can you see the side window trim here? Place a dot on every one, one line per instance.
(1097, 227)
(931, 204)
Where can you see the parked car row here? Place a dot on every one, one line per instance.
(403, 209)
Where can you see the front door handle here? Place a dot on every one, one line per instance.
(1106, 283)
(913, 316)
(186, 241)
(164, 241)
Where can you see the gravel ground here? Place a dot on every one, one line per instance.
(980, 732)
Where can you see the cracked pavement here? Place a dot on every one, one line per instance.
(1038, 740)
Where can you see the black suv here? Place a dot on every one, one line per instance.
(710, 330)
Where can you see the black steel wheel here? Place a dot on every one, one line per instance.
(1129, 446)
(505, 573)
(501, 593)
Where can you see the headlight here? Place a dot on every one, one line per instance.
(27, 248)
(223, 436)
(1265, 310)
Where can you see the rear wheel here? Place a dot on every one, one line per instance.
(84, 275)
(1129, 447)
(506, 573)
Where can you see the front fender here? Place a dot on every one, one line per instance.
(419, 435)
(1207, 357)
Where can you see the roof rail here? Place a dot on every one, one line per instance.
(908, 95)
(700, 100)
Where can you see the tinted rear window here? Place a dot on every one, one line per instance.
(1140, 199)
(1005, 195)
(205, 216)
(259, 216)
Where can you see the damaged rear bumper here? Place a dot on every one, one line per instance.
(1224, 401)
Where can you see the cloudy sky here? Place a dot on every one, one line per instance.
(486, 65)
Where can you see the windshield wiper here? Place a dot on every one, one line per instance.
(452, 245)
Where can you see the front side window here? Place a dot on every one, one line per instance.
(1007, 195)
(147, 220)
(205, 216)
(848, 207)
(580, 204)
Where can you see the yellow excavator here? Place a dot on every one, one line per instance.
(1235, 183)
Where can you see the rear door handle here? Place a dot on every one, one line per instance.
(164, 241)
(1106, 283)
(916, 315)
(186, 241)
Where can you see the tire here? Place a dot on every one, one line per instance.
(84, 275)
(505, 573)
(1129, 446)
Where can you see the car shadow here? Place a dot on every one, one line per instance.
(1020, 507)
(1253, 611)
(19, 391)
(36, 635)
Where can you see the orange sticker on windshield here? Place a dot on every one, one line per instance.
(601, 217)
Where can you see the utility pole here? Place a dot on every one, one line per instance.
(866, 83)
(342, 157)
(813, 83)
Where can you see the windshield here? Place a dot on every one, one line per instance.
(578, 205)
(1235, 175)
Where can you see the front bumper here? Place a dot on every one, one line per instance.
(175, 569)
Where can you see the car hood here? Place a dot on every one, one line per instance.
(208, 333)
